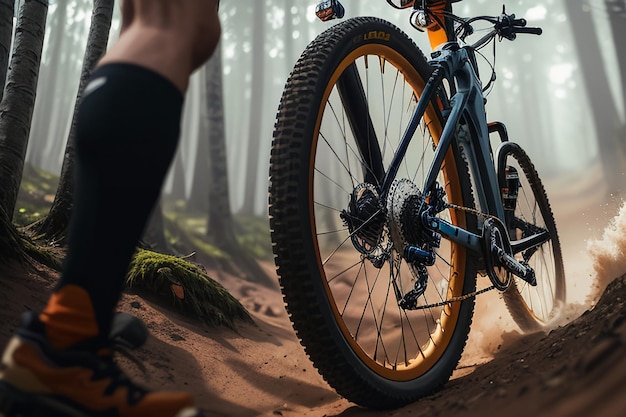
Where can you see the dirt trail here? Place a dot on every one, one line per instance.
(578, 369)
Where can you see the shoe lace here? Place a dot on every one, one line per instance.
(108, 369)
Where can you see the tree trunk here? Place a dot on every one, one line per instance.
(177, 190)
(256, 108)
(198, 201)
(616, 10)
(55, 225)
(16, 110)
(11, 246)
(604, 114)
(220, 223)
(47, 107)
(7, 12)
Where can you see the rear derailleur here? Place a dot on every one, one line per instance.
(418, 241)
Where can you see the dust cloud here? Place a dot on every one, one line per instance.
(608, 254)
(593, 239)
(490, 325)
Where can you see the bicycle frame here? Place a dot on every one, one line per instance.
(455, 64)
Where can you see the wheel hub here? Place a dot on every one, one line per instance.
(365, 218)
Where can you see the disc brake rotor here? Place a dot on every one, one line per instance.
(367, 223)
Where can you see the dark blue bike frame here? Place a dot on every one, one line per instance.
(455, 64)
(467, 106)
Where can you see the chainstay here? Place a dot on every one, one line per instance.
(473, 293)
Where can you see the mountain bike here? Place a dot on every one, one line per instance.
(388, 203)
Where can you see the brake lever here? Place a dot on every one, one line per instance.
(504, 26)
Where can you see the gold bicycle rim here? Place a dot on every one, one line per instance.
(440, 338)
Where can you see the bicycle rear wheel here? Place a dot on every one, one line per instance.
(340, 120)
(534, 307)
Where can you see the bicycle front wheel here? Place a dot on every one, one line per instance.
(344, 109)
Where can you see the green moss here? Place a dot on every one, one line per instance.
(28, 212)
(207, 248)
(204, 298)
(42, 255)
(35, 195)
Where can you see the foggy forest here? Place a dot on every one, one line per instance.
(561, 94)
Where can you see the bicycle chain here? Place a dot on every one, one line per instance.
(471, 210)
(385, 248)
(455, 299)
(473, 293)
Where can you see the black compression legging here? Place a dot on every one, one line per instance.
(127, 132)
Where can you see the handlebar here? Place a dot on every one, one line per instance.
(507, 26)
(531, 31)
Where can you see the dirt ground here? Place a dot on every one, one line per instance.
(577, 369)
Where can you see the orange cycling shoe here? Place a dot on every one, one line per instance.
(37, 380)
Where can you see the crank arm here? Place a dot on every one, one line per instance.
(474, 242)
(530, 242)
(511, 264)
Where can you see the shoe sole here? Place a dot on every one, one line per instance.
(16, 403)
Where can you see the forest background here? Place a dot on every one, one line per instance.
(562, 96)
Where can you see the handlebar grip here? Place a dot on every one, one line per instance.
(531, 31)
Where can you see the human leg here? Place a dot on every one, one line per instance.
(127, 132)
(170, 37)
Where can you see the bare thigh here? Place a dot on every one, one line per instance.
(171, 37)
